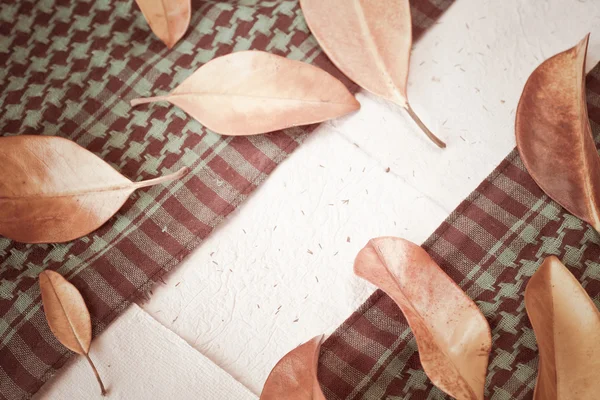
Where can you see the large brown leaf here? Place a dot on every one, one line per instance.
(295, 375)
(253, 92)
(168, 19)
(554, 136)
(370, 42)
(52, 190)
(566, 324)
(453, 337)
(67, 316)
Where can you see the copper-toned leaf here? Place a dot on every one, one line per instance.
(370, 42)
(254, 92)
(453, 337)
(554, 136)
(67, 316)
(53, 190)
(295, 375)
(566, 323)
(168, 19)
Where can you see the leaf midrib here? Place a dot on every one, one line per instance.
(74, 193)
(372, 46)
(252, 96)
(66, 316)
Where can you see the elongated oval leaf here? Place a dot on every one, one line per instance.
(253, 92)
(566, 323)
(453, 337)
(168, 19)
(554, 136)
(370, 43)
(295, 375)
(66, 312)
(53, 190)
(68, 316)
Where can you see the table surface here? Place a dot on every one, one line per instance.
(278, 271)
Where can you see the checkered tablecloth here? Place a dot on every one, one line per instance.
(69, 68)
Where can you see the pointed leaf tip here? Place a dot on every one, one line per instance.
(168, 19)
(452, 335)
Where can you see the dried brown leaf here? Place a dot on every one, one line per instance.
(52, 190)
(168, 19)
(453, 337)
(253, 92)
(370, 43)
(67, 316)
(295, 375)
(554, 136)
(566, 323)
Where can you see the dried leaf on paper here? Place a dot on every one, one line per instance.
(452, 335)
(369, 42)
(295, 375)
(253, 92)
(52, 190)
(554, 136)
(566, 323)
(67, 316)
(168, 19)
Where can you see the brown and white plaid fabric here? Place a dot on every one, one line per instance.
(490, 245)
(68, 68)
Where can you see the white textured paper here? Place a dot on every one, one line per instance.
(279, 271)
(138, 358)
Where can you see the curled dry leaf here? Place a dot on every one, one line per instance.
(554, 136)
(52, 190)
(168, 19)
(370, 43)
(453, 337)
(253, 92)
(295, 375)
(68, 316)
(566, 323)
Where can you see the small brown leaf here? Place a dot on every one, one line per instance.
(554, 136)
(370, 43)
(253, 92)
(453, 337)
(168, 19)
(67, 316)
(52, 190)
(295, 375)
(566, 323)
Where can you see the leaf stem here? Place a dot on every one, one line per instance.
(144, 100)
(426, 130)
(102, 390)
(161, 179)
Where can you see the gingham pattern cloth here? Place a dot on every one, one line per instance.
(69, 68)
(490, 245)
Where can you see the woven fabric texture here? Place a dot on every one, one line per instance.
(490, 245)
(69, 68)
